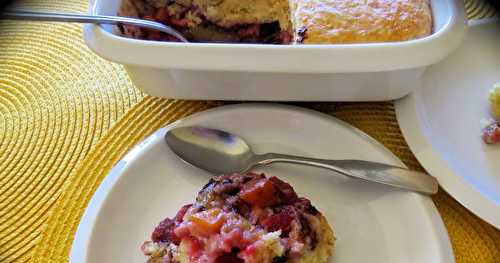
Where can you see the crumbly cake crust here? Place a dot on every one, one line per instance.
(326, 243)
(227, 13)
(361, 21)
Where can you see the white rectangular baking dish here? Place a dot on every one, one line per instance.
(340, 72)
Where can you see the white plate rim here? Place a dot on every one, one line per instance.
(82, 235)
(413, 126)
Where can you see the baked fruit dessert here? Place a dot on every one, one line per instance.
(243, 218)
(491, 131)
(283, 21)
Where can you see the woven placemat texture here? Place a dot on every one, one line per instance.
(57, 99)
(66, 116)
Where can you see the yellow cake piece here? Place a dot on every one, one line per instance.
(494, 98)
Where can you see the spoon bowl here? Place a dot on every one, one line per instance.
(216, 151)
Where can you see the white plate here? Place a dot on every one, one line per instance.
(441, 122)
(373, 223)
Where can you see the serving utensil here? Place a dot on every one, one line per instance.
(221, 152)
(93, 19)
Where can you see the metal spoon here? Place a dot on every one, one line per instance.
(80, 18)
(221, 152)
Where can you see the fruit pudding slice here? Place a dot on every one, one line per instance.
(243, 218)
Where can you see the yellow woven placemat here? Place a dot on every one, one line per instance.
(58, 137)
(57, 100)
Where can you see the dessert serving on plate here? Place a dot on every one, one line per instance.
(243, 218)
(283, 21)
(491, 131)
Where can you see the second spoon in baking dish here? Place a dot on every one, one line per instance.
(221, 152)
(92, 19)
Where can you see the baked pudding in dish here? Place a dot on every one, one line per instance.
(283, 21)
(243, 218)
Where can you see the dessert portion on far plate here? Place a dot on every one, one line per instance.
(243, 218)
(491, 131)
(283, 21)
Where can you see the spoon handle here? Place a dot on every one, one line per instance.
(93, 19)
(365, 170)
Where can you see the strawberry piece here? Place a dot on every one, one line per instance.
(164, 232)
(180, 215)
(491, 134)
(281, 220)
(286, 192)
